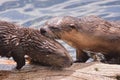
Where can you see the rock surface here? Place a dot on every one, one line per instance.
(78, 71)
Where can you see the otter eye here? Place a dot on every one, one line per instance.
(72, 26)
(54, 28)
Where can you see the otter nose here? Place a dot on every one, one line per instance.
(42, 31)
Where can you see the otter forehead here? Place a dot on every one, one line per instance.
(56, 21)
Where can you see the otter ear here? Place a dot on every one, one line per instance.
(72, 26)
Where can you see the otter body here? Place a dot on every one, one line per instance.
(17, 42)
(89, 33)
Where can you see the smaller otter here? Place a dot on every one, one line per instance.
(17, 42)
(89, 33)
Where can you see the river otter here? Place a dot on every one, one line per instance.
(89, 33)
(17, 42)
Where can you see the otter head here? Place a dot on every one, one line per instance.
(58, 26)
(49, 52)
(56, 55)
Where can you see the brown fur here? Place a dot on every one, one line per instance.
(88, 33)
(17, 42)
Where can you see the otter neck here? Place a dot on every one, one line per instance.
(83, 41)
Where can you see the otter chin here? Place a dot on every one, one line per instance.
(16, 42)
(90, 33)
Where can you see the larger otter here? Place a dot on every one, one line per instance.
(88, 33)
(17, 42)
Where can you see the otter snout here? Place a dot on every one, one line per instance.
(68, 61)
(62, 58)
(43, 31)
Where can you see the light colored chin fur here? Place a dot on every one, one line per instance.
(83, 41)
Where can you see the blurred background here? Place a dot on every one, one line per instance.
(33, 13)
